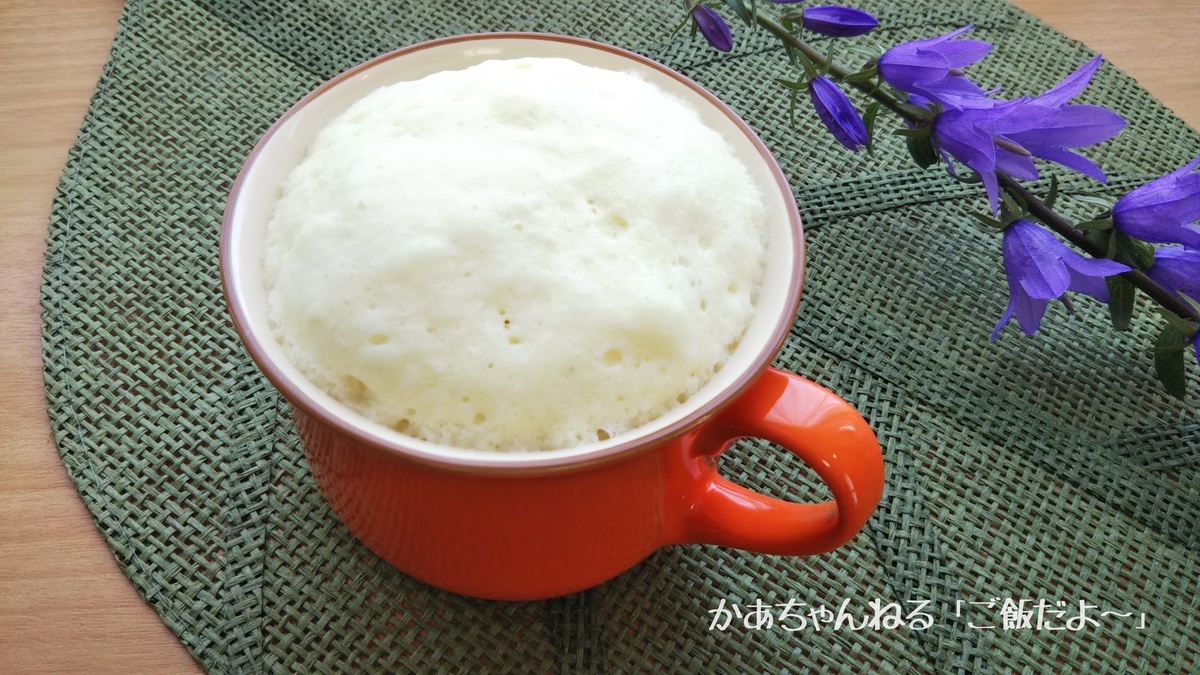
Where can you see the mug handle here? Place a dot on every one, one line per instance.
(817, 426)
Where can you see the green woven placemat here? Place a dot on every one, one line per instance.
(1049, 469)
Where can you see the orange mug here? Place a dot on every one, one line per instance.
(529, 525)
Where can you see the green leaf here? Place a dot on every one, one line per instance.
(742, 11)
(1120, 301)
(1133, 252)
(1185, 327)
(1192, 303)
(865, 75)
(831, 57)
(687, 21)
(1099, 202)
(1095, 225)
(810, 68)
(919, 112)
(972, 179)
(794, 86)
(1101, 239)
(791, 54)
(1013, 206)
(1168, 360)
(987, 220)
(922, 151)
(871, 112)
(913, 133)
(869, 116)
(868, 52)
(1113, 245)
(1052, 195)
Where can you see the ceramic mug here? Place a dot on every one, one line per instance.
(530, 525)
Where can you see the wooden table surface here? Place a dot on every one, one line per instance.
(64, 604)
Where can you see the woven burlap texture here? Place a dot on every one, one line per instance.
(1051, 468)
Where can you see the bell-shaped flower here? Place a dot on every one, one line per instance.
(933, 67)
(838, 113)
(837, 21)
(712, 27)
(1040, 268)
(1177, 268)
(1165, 210)
(992, 136)
(1052, 126)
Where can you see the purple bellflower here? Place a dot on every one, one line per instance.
(1041, 268)
(933, 68)
(837, 21)
(838, 113)
(1165, 210)
(1177, 268)
(713, 27)
(992, 136)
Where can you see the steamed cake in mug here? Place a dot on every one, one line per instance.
(527, 254)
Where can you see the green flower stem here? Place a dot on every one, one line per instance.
(1037, 207)
(838, 72)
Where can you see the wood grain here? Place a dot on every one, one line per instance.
(1152, 40)
(64, 605)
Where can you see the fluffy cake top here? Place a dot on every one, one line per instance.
(523, 255)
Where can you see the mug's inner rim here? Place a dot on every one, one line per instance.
(285, 144)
